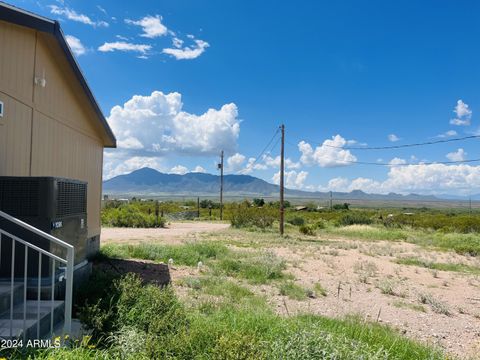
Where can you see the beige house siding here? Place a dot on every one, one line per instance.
(51, 130)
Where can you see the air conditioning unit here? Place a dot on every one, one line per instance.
(56, 206)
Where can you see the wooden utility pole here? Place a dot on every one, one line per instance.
(331, 202)
(220, 166)
(198, 207)
(282, 176)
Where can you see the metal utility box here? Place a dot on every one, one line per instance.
(56, 206)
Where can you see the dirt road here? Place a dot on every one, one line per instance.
(173, 233)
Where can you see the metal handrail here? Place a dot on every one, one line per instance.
(69, 267)
(35, 230)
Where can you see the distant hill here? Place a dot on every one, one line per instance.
(151, 182)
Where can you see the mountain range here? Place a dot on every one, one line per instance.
(150, 182)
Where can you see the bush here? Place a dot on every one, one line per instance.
(148, 308)
(247, 216)
(344, 206)
(258, 202)
(296, 220)
(129, 311)
(307, 230)
(130, 215)
(355, 218)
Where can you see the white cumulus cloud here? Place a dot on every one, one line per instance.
(124, 46)
(271, 162)
(293, 179)
(76, 45)
(156, 124)
(393, 138)
(447, 134)
(423, 179)
(188, 52)
(151, 25)
(459, 155)
(71, 14)
(329, 154)
(464, 114)
(179, 170)
(199, 169)
(235, 162)
(397, 161)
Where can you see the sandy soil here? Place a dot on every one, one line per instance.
(354, 272)
(174, 233)
(344, 268)
(345, 271)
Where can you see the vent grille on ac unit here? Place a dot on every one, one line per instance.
(19, 198)
(72, 198)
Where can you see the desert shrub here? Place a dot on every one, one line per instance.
(344, 206)
(245, 216)
(258, 202)
(436, 305)
(307, 230)
(127, 309)
(296, 220)
(354, 218)
(130, 215)
(441, 221)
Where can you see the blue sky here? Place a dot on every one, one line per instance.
(180, 80)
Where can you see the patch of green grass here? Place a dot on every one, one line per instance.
(292, 290)
(460, 243)
(367, 232)
(465, 244)
(353, 338)
(217, 286)
(150, 322)
(257, 268)
(405, 305)
(463, 268)
(186, 254)
(319, 289)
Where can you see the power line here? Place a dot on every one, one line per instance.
(433, 142)
(408, 164)
(274, 145)
(345, 162)
(249, 166)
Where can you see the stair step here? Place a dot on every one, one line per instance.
(31, 319)
(5, 296)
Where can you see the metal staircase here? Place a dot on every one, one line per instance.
(34, 300)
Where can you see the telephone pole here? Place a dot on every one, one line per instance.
(282, 176)
(220, 166)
